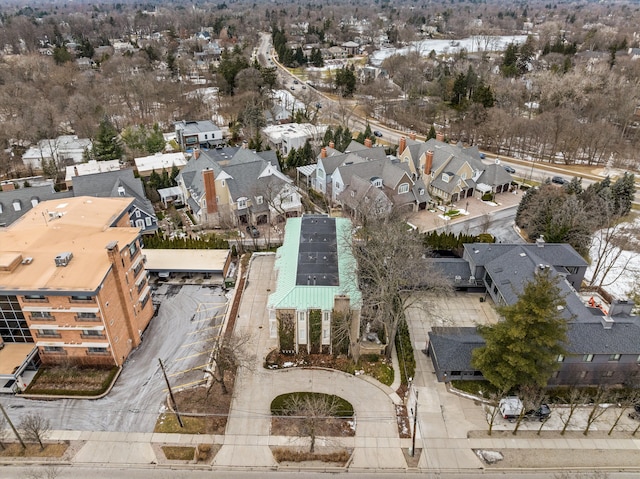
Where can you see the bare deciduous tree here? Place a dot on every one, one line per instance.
(3, 432)
(311, 411)
(598, 408)
(35, 427)
(624, 402)
(575, 398)
(229, 355)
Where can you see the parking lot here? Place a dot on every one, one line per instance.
(182, 334)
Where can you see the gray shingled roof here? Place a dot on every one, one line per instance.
(107, 184)
(452, 347)
(25, 196)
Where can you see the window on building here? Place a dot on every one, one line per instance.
(144, 301)
(82, 298)
(16, 205)
(87, 316)
(34, 202)
(587, 358)
(421, 191)
(133, 248)
(572, 269)
(560, 358)
(259, 200)
(92, 333)
(463, 175)
(607, 374)
(34, 297)
(97, 350)
(41, 315)
(614, 357)
(147, 221)
(137, 213)
(242, 203)
(403, 188)
(49, 333)
(53, 350)
(0, 207)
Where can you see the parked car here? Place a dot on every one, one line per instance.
(509, 169)
(541, 414)
(510, 408)
(558, 180)
(253, 231)
(377, 133)
(482, 156)
(296, 81)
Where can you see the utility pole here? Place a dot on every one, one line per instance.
(415, 423)
(173, 399)
(15, 431)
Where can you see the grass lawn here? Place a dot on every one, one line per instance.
(72, 381)
(14, 449)
(179, 453)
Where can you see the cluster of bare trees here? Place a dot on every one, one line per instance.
(32, 428)
(577, 409)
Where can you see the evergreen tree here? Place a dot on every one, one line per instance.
(328, 136)
(509, 66)
(523, 348)
(175, 171)
(432, 133)
(155, 140)
(106, 145)
(623, 193)
(61, 55)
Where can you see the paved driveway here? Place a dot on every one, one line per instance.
(182, 335)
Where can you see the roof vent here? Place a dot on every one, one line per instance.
(63, 259)
(27, 260)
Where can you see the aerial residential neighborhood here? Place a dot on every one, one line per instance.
(278, 237)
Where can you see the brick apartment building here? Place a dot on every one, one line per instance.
(73, 283)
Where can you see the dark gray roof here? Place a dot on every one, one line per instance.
(24, 198)
(452, 347)
(318, 252)
(109, 184)
(554, 254)
(592, 338)
(452, 267)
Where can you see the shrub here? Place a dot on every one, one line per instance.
(404, 348)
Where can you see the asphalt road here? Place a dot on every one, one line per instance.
(76, 472)
(182, 335)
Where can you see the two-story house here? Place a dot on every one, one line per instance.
(603, 341)
(198, 134)
(232, 186)
(316, 288)
(117, 184)
(64, 150)
(452, 172)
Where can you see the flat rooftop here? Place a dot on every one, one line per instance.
(186, 260)
(13, 355)
(82, 226)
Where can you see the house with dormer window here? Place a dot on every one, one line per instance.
(233, 186)
(452, 172)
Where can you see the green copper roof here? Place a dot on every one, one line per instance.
(312, 261)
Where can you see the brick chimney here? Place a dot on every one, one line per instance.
(412, 135)
(196, 153)
(210, 190)
(8, 186)
(323, 153)
(368, 143)
(402, 145)
(332, 145)
(428, 162)
(440, 136)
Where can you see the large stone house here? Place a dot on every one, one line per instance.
(452, 172)
(316, 305)
(232, 186)
(603, 339)
(364, 179)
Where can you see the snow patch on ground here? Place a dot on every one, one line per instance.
(489, 457)
(619, 281)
